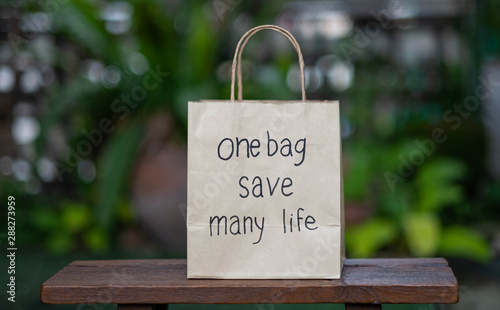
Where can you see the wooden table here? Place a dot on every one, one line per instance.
(153, 284)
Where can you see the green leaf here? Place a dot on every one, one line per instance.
(44, 218)
(60, 243)
(75, 217)
(461, 241)
(440, 171)
(358, 174)
(398, 203)
(79, 19)
(433, 198)
(422, 232)
(201, 37)
(63, 100)
(96, 240)
(124, 213)
(115, 165)
(436, 184)
(367, 238)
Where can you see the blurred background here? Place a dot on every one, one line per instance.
(93, 110)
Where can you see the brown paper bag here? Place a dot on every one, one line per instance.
(265, 196)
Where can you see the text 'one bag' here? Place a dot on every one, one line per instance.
(265, 194)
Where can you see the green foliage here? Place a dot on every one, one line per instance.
(465, 242)
(44, 219)
(59, 243)
(71, 226)
(357, 182)
(77, 19)
(488, 11)
(422, 232)
(422, 199)
(75, 218)
(417, 216)
(77, 105)
(114, 167)
(435, 182)
(410, 216)
(367, 238)
(97, 240)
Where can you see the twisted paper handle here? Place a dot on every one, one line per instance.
(239, 50)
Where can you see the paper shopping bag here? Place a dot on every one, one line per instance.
(265, 196)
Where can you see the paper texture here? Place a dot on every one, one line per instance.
(265, 196)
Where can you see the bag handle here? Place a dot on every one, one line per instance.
(239, 50)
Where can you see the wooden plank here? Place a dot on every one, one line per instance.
(369, 281)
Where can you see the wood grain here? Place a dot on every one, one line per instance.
(364, 281)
